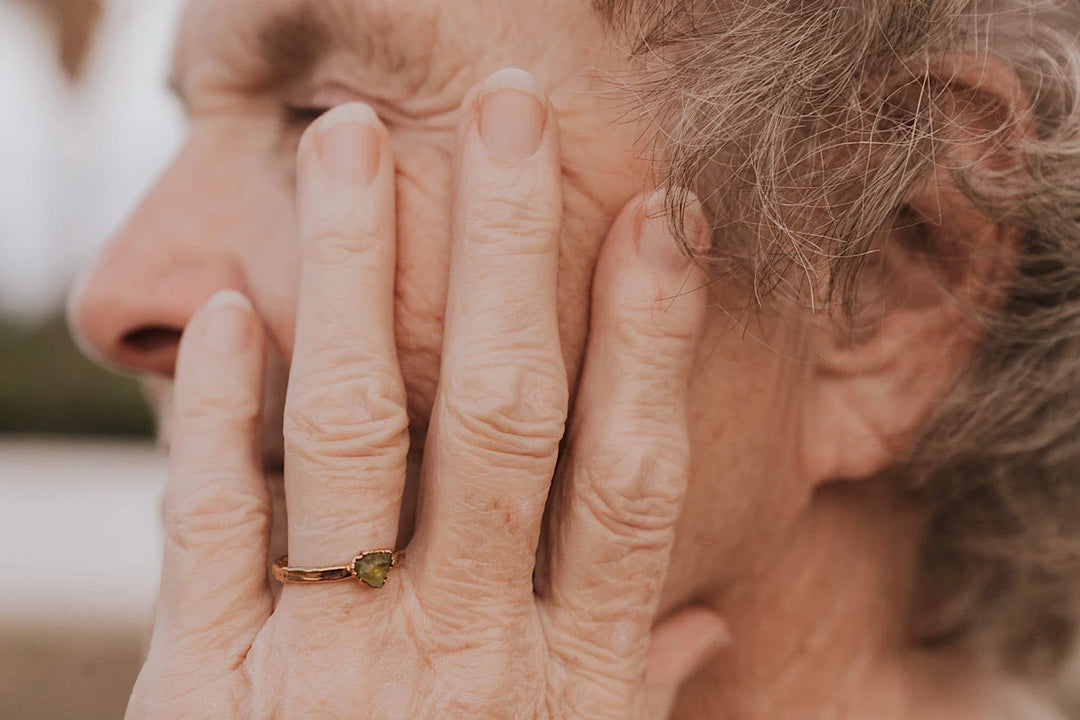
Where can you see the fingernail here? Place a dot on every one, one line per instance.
(228, 322)
(512, 109)
(657, 243)
(350, 146)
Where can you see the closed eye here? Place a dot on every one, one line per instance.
(300, 116)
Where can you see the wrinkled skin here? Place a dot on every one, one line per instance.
(460, 630)
(224, 215)
(434, 329)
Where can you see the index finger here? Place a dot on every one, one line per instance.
(346, 429)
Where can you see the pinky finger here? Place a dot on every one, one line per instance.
(214, 590)
(613, 524)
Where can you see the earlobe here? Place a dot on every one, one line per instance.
(943, 264)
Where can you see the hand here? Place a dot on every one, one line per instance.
(460, 629)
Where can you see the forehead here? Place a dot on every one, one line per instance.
(254, 42)
(416, 40)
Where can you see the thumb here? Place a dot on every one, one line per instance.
(680, 646)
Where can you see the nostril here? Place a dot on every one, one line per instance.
(151, 340)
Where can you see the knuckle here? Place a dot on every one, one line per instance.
(650, 406)
(611, 660)
(220, 408)
(608, 697)
(508, 408)
(653, 371)
(347, 515)
(632, 495)
(513, 218)
(341, 239)
(213, 512)
(655, 317)
(349, 410)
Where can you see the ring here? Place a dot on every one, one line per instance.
(370, 568)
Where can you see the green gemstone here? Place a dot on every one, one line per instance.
(372, 568)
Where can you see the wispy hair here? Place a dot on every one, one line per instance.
(804, 126)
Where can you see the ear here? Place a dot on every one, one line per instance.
(941, 264)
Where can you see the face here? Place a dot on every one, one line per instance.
(251, 79)
(252, 75)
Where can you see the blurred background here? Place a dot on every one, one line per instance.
(85, 127)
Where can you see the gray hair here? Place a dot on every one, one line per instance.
(804, 126)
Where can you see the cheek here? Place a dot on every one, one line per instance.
(584, 229)
(271, 253)
(424, 208)
(271, 256)
(425, 205)
(272, 262)
(423, 213)
(240, 181)
(745, 490)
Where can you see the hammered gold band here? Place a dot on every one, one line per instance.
(370, 568)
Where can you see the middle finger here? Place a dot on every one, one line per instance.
(501, 404)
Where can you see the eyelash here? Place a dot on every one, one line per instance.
(301, 116)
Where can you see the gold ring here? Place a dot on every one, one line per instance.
(370, 568)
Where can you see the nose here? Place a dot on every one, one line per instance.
(130, 308)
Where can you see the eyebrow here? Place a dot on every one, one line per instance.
(289, 39)
(292, 41)
(289, 43)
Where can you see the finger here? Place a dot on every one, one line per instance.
(345, 422)
(680, 647)
(214, 591)
(501, 403)
(629, 450)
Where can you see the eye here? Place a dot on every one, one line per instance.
(300, 116)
